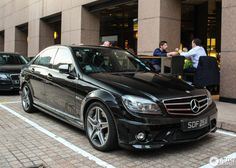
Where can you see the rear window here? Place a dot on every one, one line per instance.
(11, 59)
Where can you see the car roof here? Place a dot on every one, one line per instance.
(10, 53)
(86, 46)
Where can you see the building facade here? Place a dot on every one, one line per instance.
(28, 26)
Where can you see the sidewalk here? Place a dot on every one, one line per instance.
(226, 115)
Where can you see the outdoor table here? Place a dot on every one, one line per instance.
(165, 61)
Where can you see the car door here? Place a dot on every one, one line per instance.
(38, 73)
(61, 87)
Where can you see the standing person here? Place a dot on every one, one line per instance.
(194, 54)
(161, 51)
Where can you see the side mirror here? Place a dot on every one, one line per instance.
(64, 68)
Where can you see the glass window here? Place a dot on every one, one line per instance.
(45, 59)
(96, 60)
(12, 59)
(63, 56)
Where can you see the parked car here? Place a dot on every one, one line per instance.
(115, 98)
(10, 67)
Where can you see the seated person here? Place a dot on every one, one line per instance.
(107, 44)
(194, 54)
(161, 51)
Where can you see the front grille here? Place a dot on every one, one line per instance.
(14, 76)
(15, 79)
(181, 106)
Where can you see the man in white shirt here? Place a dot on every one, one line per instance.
(194, 54)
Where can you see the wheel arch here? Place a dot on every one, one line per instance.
(30, 87)
(101, 96)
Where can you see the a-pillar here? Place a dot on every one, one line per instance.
(79, 26)
(158, 20)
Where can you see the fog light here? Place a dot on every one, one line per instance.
(141, 136)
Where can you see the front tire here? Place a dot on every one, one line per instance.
(100, 127)
(26, 99)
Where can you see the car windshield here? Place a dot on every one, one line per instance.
(11, 59)
(96, 60)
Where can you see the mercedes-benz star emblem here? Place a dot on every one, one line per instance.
(195, 106)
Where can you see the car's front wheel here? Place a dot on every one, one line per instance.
(100, 127)
(26, 99)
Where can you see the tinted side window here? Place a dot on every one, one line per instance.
(45, 58)
(63, 57)
(8, 59)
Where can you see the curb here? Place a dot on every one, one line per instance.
(226, 126)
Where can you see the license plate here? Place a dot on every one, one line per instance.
(190, 125)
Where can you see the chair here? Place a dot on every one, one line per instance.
(207, 73)
(173, 67)
(177, 65)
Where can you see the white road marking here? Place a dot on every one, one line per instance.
(11, 102)
(214, 161)
(59, 139)
(220, 131)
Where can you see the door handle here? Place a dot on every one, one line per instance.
(49, 76)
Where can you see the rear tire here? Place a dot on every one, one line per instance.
(26, 99)
(100, 128)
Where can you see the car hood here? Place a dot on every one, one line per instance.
(10, 68)
(147, 84)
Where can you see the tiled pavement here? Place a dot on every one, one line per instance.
(21, 145)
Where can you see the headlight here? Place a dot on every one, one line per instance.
(209, 99)
(3, 76)
(140, 105)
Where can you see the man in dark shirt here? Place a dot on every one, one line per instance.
(161, 51)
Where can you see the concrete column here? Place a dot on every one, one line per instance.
(35, 12)
(79, 26)
(158, 20)
(33, 37)
(228, 52)
(21, 45)
(9, 40)
(90, 26)
(45, 35)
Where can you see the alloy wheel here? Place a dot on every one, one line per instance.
(25, 98)
(97, 126)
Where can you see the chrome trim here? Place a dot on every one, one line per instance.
(183, 109)
(170, 104)
(204, 105)
(202, 100)
(184, 97)
(176, 111)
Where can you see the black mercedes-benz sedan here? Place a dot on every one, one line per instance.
(115, 98)
(10, 67)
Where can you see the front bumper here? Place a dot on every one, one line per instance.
(162, 131)
(13, 83)
(9, 86)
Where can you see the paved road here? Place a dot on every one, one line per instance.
(33, 139)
